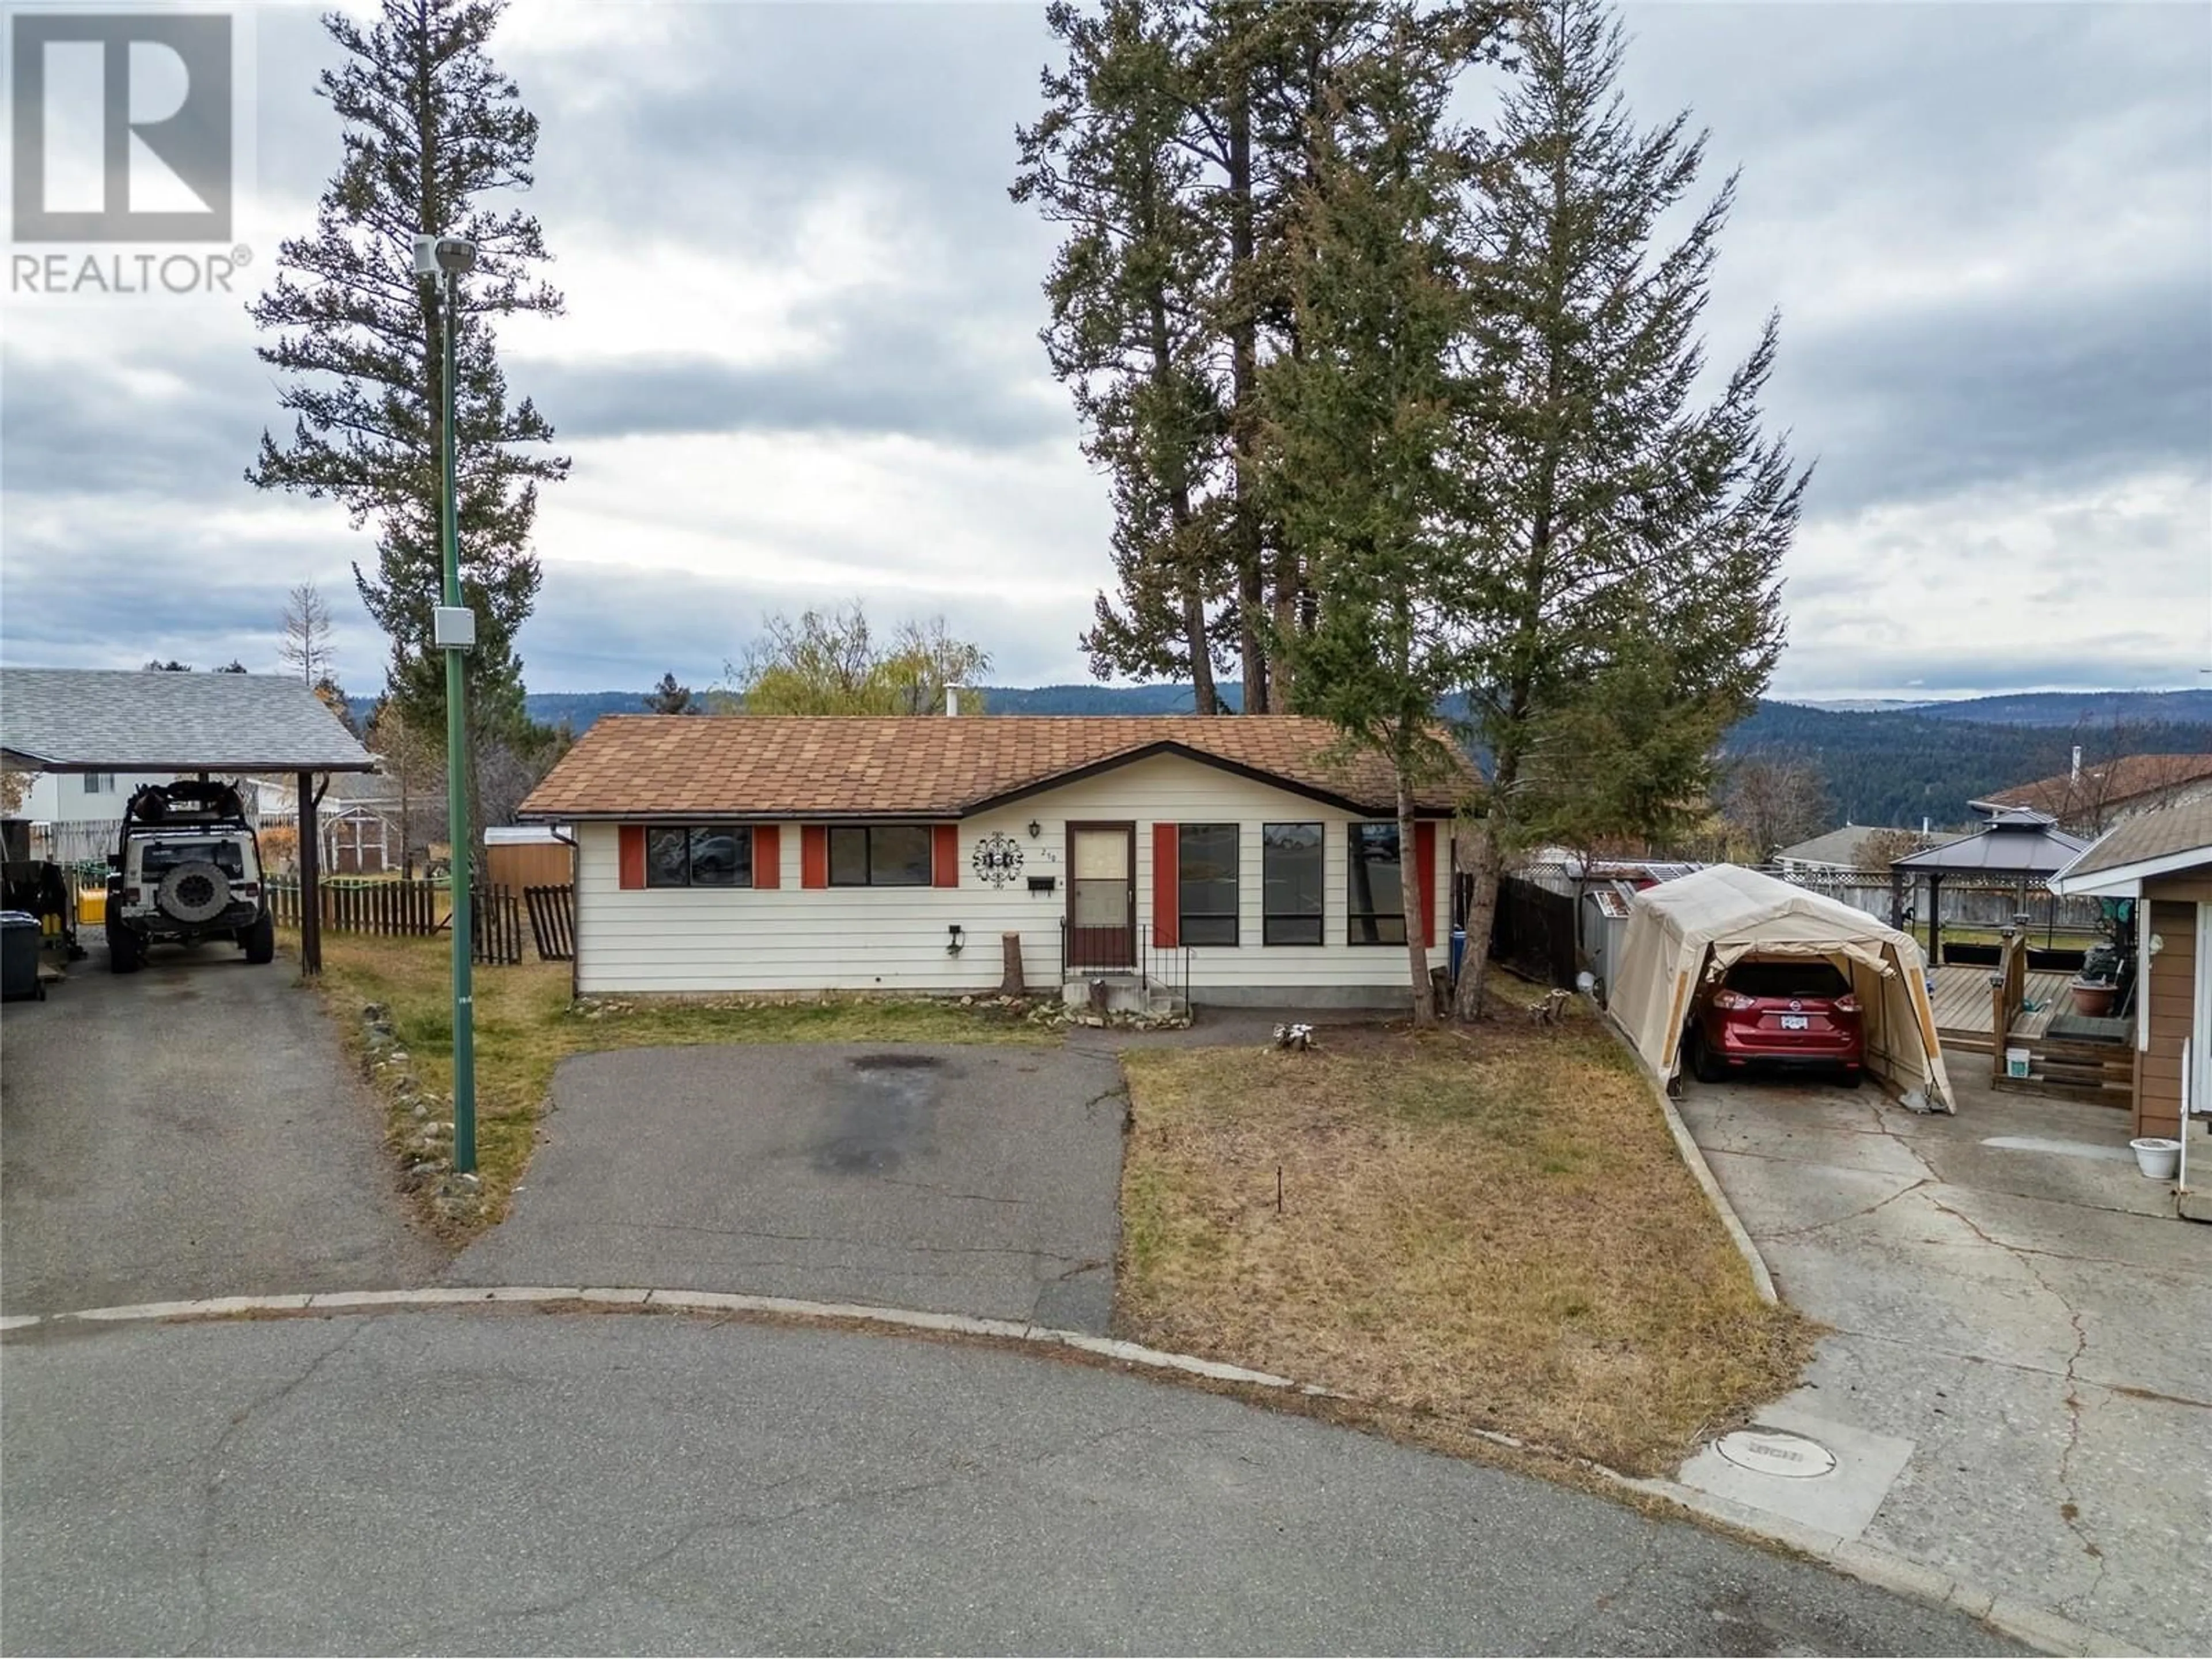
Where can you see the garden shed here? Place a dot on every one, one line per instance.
(1684, 934)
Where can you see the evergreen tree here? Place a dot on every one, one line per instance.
(1606, 509)
(1358, 431)
(1176, 145)
(670, 698)
(431, 129)
(1128, 336)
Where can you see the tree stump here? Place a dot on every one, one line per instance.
(1011, 983)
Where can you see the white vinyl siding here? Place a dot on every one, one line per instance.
(791, 939)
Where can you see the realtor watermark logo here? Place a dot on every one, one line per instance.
(122, 129)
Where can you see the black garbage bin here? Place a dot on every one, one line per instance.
(19, 957)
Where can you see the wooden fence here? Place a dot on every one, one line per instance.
(389, 909)
(552, 921)
(407, 909)
(497, 916)
(1533, 932)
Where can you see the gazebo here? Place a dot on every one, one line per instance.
(146, 722)
(2017, 845)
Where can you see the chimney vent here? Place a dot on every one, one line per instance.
(2074, 775)
(952, 706)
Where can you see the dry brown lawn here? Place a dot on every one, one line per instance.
(1488, 1230)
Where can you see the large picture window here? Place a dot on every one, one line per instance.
(1378, 903)
(1206, 884)
(879, 855)
(699, 855)
(1290, 884)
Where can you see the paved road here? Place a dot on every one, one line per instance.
(2028, 1320)
(191, 1130)
(958, 1179)
(490, 1482)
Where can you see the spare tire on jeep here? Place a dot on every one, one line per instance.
(193, 891)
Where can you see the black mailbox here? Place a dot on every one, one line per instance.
(1043, 883)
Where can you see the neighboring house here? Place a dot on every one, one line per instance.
(77, 797)
(798, 854)
(100, 797)
(2163, 859)
(2090, 799)
(1854, 846)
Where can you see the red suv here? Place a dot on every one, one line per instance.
(1790, 1012)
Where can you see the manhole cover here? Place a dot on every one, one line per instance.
(1763, 1451)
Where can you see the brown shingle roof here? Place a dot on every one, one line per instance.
(927, 766)
(2106, 784)
(2158, 834)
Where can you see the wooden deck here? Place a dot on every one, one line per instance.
(2069, 1065)
(1961, 1002)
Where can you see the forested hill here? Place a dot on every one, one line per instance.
(1891, 766)
(1897, 768)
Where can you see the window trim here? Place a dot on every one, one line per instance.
(1317, 918)
(1353, 861)
(868, 830)
(1185, 916)
(735, 831)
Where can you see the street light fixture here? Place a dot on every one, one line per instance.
(454, 630)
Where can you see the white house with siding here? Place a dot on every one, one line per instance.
(780, 854)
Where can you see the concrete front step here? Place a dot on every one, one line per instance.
(1121, 994)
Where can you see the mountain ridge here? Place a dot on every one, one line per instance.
(1883, 765)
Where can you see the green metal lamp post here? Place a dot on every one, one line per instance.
(453, 631)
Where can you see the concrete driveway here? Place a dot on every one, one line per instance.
(191, 1130)
(2019, 1342)
(954, 1179)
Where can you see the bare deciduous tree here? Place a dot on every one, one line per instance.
(1775, 803)
(306, 647)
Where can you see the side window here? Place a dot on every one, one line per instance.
(1290, 884)
(880, 856)
(698, 855)
(1206, 882)
(1376, 904)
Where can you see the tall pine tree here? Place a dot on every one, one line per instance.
(1624, 537)
(1128, 336)
(432, 130)
(1356, 435)
(1176, 145)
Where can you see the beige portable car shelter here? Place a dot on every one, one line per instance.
(1684, 934)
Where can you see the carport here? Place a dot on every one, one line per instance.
(148, 723)
(1685, 933)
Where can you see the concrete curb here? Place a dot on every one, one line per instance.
(2045, 1631)
(1761, 1279)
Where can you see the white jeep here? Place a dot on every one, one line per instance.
(186, 867)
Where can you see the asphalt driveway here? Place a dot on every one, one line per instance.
(2018, 1338)
(953, 1179)
(191, 1130)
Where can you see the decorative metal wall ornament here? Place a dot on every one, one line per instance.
(997, 859)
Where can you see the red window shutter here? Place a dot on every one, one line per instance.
(1425, 876)
(945, 855)
(767, 856)
(1167, 894)
(632, 860)
(813, 855)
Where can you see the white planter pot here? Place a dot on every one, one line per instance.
(2157, 1156)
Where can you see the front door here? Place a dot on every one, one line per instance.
(1102, 895)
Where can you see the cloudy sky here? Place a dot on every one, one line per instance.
(800, 363)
